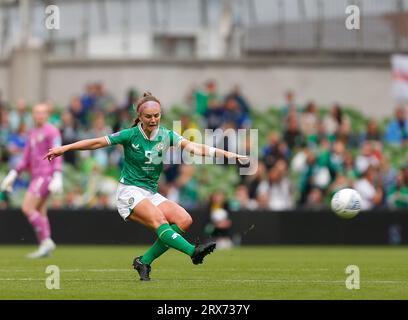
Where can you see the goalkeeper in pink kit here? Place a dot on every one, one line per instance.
(46, 177)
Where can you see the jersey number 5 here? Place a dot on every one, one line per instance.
(148, 155)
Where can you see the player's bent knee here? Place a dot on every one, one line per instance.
(186, 222)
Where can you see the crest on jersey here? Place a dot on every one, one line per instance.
(160, 146)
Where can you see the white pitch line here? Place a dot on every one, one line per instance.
(168, 269)
(286, 281)
(96, 270)
(68, 270)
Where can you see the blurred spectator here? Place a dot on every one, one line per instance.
(5, 131)
(212, 90)
(397, 197)
(99, 126)
(171, 167)
(312, 176)
(101, 202)
(232, 113)
(189, 128)
(283, 151)
(269, 152)
(292, 135)
(241, 199)
(397, 129)
(236, 94)
(55, 115)
(20, 115)
(199, 101)
(319, 136)
(125, 114)
(298, 161)
(214, 114)
(204, 98)
(348, 168)
(4, 200)
(309, 122)
(366, 158)
(252, 181)
(187, 187)
(241, 100)
(289, 104)
(372, 132)
(277, 190)
(80, 114)
(57, 202)
(220, 224)
(248, 146)
(131, 102)
(100, 129)
(73, 198)
(104, 101)
(388, 174)
(337, 158)
(370, 188)
(15, 145)
(88, 99)
(339, 183)
(227, 140)
(123, 120)
(275, 150)
(315, 200)
(190, 97)
(96, 184)
(69, 134)
(335, 121)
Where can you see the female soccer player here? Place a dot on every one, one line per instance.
(145, 144)
(45, 178)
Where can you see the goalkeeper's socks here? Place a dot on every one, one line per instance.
(47, 227)
(158, 248)
(39, 225)
(174, 239)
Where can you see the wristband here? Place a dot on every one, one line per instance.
(211, 152)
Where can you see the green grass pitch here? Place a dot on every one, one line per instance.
(269, 272)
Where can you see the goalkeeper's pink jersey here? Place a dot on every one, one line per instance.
(39, 141)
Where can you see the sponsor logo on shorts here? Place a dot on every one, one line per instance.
(131, 201)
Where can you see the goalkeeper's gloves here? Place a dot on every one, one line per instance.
(8, 181)
(55, 185)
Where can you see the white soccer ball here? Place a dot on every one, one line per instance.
(346, 203)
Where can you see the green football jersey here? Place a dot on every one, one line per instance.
(143, 156)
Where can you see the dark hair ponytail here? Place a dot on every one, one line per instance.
(147, 96)
(135, 122)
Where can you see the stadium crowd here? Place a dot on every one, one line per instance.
(305, 152)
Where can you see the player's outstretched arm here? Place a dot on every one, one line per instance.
(204, 150)
(87, 144)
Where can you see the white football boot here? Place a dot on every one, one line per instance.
(44, 250)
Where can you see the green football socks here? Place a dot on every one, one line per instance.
(159, 247)
(174, 239)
